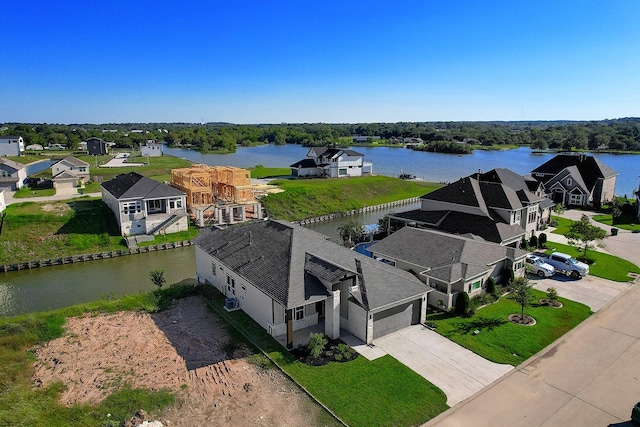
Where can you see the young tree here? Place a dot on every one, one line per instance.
(552, 295)
(521, 293)
(558, 209)
(351, 233)
(157, 278)
(584, 232)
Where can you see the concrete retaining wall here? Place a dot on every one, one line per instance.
(358, 211)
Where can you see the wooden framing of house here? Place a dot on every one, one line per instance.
(220, 193)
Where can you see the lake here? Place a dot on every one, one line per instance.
(433, 167)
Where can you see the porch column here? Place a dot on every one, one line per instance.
(219, 215)
(423, 309)
(230, 211)
(200, 217)
(288, 318)
(369, 327)
(243, 213)
(332, 315)
(258, 210)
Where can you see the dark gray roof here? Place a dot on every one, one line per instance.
(304, 163)
(446, 257)
(491, 228)
(9, 136)
(590, 168)
(132, 185)
(287, 262)
(332, 152)
(10, 163)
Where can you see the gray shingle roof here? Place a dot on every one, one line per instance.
(590, 168)
(132, 185)
(74, 161)
(13, 165)
(286, 261)
(447, 257)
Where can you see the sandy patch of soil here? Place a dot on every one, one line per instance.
(59, 208)
(181, 349)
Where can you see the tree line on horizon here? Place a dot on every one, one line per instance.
(616, 135)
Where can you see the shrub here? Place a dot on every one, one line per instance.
(542, 240)
(491, 286)
(316, 344)
(533, 241)
(523, 243)
(462, 303)
(552, 294)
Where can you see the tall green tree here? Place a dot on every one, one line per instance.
(584, 232)
(521, 293)
(351, 233)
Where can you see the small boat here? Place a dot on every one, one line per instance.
(406, 176)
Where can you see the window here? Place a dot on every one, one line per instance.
(299, 313)
(4, 174)
(82, 168)
(518, 265)
(517, 215)
(175, 203)
(131, 207)
(231, 285)
(213, 268)
(533, 211)
(575, 199)
(476, 285)
(154, 206)
(569, 181)
(342, 171)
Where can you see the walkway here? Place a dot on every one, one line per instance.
(590, 377)
(458, 372)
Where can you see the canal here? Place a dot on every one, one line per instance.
(61, 286)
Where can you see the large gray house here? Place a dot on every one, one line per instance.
(292, 280)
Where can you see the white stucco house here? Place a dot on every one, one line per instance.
(69, 173)
(292, 280)
(331, 163)
(11, 145)
(151, 149)
(449, 264)
(12, 174)
(145, 206)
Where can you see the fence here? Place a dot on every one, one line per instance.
(92, 257)
(358, 211)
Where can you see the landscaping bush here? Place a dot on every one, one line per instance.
(533, 241)
(462, 303)
(491, 286)
(542, 240)
(316, 345)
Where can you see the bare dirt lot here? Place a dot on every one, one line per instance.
(183, 349)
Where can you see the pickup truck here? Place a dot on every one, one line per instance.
(566, 264)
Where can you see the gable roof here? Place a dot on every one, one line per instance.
(304, 163)
(590, 168)
(446, 257)
(332, 152)
(132, 185)
(465, 191)
(490, 228)
(287, 262)
(74, 161)
(10, 163)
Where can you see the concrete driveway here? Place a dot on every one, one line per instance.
(590, 290)
(590, 377)
(455, 370)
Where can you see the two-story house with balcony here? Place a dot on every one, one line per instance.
(145, 206)
(69, 173)
(331, 163)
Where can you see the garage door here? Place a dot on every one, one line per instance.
(396, 318)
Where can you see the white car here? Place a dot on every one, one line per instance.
(536, 265)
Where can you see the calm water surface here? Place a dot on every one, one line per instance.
(433, 167)
(61, 286)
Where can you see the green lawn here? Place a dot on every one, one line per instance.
(260, 171)
(604, 265)
(563, 225)
(626, 221)
(21, 404)
(44, 230)
(306, 198)
(26, 192)
(504, 342)
(383, 392)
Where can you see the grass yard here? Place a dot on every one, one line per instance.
(504, 342)
(21, 404)
(563, 225)
(306, 198)
(259, 171)
(604, 265)
(44, 230)
(26, 192)
(626, 221)
(383, 392)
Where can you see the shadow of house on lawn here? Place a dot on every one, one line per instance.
(197, 335)
(90, 217)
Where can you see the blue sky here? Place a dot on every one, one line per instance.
(273, 61)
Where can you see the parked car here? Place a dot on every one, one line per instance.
(568, 265)
(536, 265)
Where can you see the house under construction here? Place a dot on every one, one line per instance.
(218, 194)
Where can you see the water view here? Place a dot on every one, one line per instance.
(433, 167)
